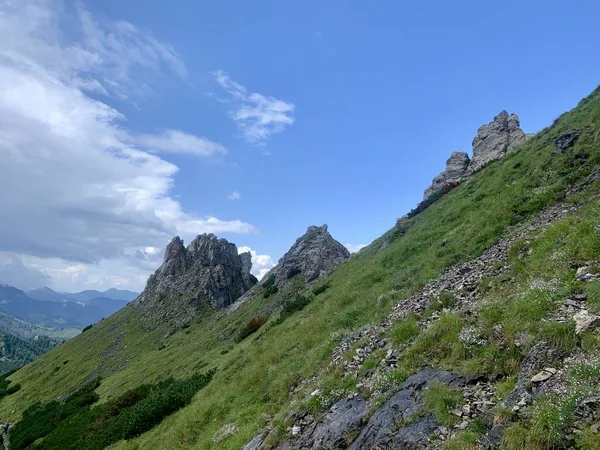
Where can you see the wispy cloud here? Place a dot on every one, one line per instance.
(176, 141)
(353, 248)
(235, 195)
(257, 116)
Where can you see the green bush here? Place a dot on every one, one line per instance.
(251, 327)
(561, 335)
(317, 290)
(75, 425)
(12, 389)
(298, 303)
(87, 328)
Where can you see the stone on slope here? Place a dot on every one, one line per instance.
(585, 320)
(208, 272)
(405, 406)
(455, 172)
(494, 140)
(566, 141)
(344, 418)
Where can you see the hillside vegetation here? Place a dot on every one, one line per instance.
(281, 357)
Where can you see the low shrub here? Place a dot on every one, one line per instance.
(71, 427)
(251, 327)
(298, 303)
(561, 335)
(293, 272)
(270, 290)
(87, 328)
(318, 290)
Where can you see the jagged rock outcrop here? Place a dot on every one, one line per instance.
(456, 169)
(313, 255)
(494, 140)
(208, 272)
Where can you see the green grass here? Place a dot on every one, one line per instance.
(405, 330)
(547, 424)
(440, 400)
(438, 345)
(256, 379)
(560, 335)
(467, 440)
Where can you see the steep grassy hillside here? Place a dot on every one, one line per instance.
(261, 377)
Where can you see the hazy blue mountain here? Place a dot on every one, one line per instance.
(45, 294)
(112, 293)
(64, 314)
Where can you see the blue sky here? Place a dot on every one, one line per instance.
(367, 100)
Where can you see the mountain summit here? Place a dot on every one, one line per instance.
(313, 255)
(209, 272)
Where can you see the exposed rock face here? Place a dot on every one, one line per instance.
(406, 406)
(313, 255)
(496, 139)
(456, 169)
(566, 141)
(208, 272)
(248, 279)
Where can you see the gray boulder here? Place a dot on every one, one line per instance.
(386, 430)
(456, 170)
(494, 140)
(566, 141)
(209, 272)
(336, 428)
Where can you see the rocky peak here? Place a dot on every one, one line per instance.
(313, 255)
(496, 139)
(208, 272)
(249, 279)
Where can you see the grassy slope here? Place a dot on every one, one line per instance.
(255, 377)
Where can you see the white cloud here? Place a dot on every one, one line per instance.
(353, 248)
(235, 195)
(261, 264)
(15, 273)
(79, 188)
(179, 142)
(256, 115)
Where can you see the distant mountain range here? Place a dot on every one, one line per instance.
(32, 323)
(62, 310)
